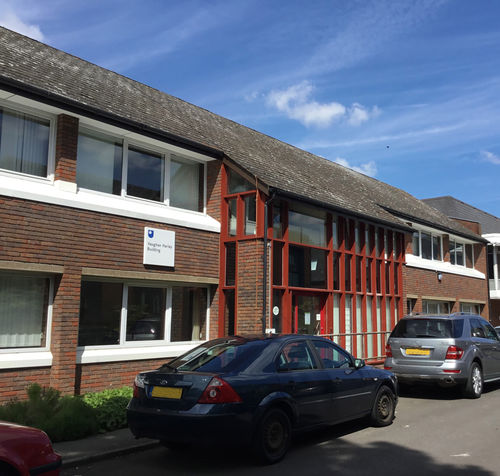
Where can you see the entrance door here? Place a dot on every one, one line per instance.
(308, 313)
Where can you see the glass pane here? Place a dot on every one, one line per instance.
(369, 326)
(232, 217)
(359, 267)
(416, 243)
(378, 271)
(146, 313)
(99, 164)
(348, 323)
(308, 313)
(336, 318)
(277, 223)
(229, 313)
(359, 327)
(452, 252)
(24, 143)
(357, 238)
(387, 277)
(250, 212)
(306, 229)
(230, 264)
(426, 246)
(24, 302)
(347, 272)
(388, 321)
(336, 271)
(186, 185)
(369, 275)
(335, 231)
(100, 313)
(307, 267)
(145, 175)
(277, 312)
(277, 263)
(189, 314)
(348, 238)
(459, 252)
(396, 278)
(379, 326)
(368, 240)
(237, 184)
(436, 248)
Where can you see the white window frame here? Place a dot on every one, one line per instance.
(463, 243)
(22, 109)
(24, 357)
(165, 154)
(145, 349)
(432, 235)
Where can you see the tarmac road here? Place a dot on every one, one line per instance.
(436, 432)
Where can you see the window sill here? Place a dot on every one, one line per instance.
(442, 266)
(87, 355)
(24, 359)
(44, 190)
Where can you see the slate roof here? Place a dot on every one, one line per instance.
(51, 75)
(455, 208)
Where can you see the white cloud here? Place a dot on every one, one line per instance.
(490, 157)
(295, 102)
(9, 19)
(369, 168)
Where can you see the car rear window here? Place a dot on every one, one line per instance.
(429, 328)
(221, 357)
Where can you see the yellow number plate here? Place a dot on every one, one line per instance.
(167, 392)
(418, 352)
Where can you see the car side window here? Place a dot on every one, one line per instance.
(476, 329)
(331, 356)
(296, 356)
(490, 332)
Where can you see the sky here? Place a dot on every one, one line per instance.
(406, 91)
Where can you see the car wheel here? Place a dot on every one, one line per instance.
(474, 385)
(273, 436)
(384, 407)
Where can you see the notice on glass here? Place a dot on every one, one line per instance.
(307, 318)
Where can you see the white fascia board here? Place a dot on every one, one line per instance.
(442, 266)
(493, 238)
(25, 359)
(121, 354)
(43, 190)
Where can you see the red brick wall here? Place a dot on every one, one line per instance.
(214, 175)
(249, 289)
(66, 147)
(13, 383)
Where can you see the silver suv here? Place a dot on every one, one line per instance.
(450, 349)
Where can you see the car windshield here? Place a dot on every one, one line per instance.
(428, 328)
(222, 356)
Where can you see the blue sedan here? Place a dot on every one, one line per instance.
(256, 391)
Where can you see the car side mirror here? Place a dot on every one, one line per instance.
(359, 363)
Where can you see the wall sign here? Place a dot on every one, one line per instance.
(159, 247)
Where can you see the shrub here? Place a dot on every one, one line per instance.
(110, 407)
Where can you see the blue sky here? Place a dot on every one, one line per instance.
(405, 91)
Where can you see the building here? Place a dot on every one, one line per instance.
(486, 225)
(135, 225)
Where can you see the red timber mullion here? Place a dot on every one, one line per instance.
(401, 259)
(222, 251)
(329, 276)
(373, 271)
(342, 247)
(259, 216)
(287, 294)
(383, 289)
(362, 292)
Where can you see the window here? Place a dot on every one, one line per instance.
(250, 214)
(230, 264)
(296, 356)
(427, 245)
(461, 254)
(470, 308)
(111, 165)
(307, 267)
(435, 307)
(114, 313)
(237, 184)
(186, 184)
(331, 356)
(24, 143)
(305, 228)
(24, 310)
(99, 164)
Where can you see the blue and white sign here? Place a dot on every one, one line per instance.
(159, 247)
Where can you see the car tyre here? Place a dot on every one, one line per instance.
(384, 407)
(473, 388)
(273, 436)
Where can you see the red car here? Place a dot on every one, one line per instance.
(25, 451)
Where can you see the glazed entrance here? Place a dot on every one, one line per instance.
(308, 314)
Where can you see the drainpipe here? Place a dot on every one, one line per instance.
(264, 261)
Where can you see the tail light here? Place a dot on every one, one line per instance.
(138, 384)
(388, 350)
(219, 391)
(454, 353)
